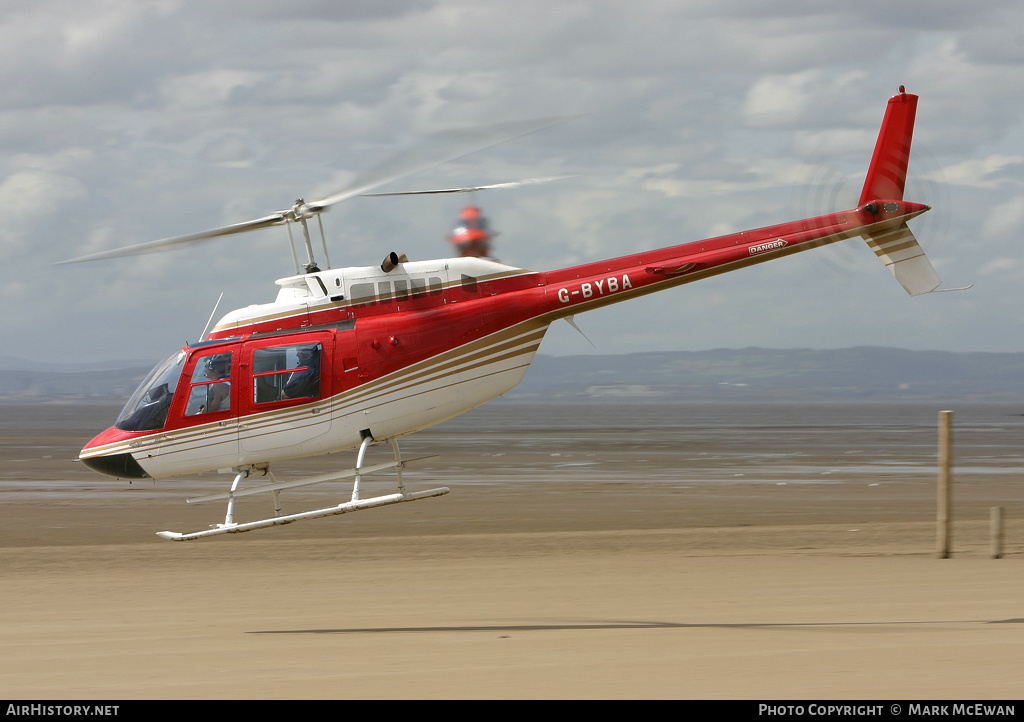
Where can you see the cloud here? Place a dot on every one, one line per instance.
(987, 172)
(125, 122)
(1011, 266)
(27, 196)
(1006, 220)
(800, 98)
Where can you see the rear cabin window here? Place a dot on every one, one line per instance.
(399, 289)
(286, 372)
(361, 292)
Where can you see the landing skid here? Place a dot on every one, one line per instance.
(274, 487)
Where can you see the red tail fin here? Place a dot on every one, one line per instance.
(887, 174)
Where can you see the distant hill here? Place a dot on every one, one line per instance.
(867, 373)
(13, 363)
(105, 384)
(752, 374)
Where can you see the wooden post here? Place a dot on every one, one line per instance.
(996, 519)
(945, 506)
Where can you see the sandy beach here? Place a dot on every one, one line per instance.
(706, 558)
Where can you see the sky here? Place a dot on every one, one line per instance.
(123, 122)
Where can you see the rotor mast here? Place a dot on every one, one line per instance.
(301, 213)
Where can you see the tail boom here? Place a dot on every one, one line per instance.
(880, 218)
(594, 285)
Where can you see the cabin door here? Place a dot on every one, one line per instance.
(286, 408)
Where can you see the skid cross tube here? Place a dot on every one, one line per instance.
(360, 457)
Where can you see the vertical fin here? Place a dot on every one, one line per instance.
(887, 174)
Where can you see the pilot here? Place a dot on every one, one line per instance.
(217, 395)
(305, 382)
(151, 414)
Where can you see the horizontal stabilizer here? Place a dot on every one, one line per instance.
(904, 257)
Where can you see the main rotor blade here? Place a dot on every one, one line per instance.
(470, 189)
(433, 151)
(167, 244)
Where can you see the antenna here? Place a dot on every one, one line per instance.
(210, 320)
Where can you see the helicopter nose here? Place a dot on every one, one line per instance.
(122, 466)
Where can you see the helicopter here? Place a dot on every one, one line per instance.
(350, 357)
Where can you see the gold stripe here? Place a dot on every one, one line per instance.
(442, 364)
(894, 248)
(411, 392)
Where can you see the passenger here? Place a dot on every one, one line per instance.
(304, 382)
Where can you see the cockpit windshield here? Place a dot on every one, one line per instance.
(148, 406)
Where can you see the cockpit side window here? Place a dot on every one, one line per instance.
(147, 409)
(210, 389)
(286, 372)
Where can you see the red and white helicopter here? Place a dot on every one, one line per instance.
(349, 357)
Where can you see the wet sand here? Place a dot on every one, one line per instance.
(737, 553)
